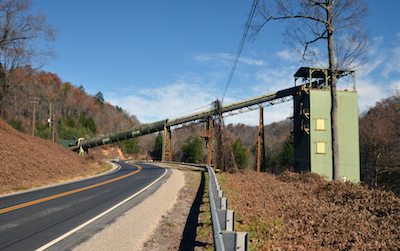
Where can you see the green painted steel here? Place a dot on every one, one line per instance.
(320, 107)
(349, 144)
(313, 151)
(119, 136)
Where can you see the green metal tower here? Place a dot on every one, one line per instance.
(312, 125)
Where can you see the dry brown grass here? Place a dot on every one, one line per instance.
(294, 211)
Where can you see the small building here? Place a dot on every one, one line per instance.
(66, 142)
(312, 125)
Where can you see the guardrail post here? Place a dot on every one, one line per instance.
(226, 219)
(221, 203)
(218, 193)
(235, 240)
(242, 239)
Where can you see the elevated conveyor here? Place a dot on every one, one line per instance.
(248, 104)
(242, 106)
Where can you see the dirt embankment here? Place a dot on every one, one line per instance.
(27, 161)
(294, 211)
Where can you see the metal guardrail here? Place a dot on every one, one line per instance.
(223, 220)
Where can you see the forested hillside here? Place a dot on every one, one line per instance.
(41, 101)
(380, 144)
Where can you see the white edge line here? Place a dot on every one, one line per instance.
(97, 217)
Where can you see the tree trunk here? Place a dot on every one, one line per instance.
(335, 136)
(334, 103)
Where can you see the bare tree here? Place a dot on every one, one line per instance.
(20, 35)
(337, 26)
(225, 158)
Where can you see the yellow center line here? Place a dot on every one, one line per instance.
(30, 203)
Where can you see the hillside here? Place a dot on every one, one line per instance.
(27, 161)
(73, 112)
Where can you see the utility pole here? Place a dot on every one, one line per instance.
(53, 127)
(34, 101)
(51, 122)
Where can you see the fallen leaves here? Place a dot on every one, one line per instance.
(293, 211)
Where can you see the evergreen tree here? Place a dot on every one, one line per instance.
(193, 149)
(241, 154)
(99, 98)
(91, 125)
(42, 130)
(157, 150)
(82, 119)
(67, 128)
(286, 155)
(119, 109)
(17, 124)
(131, 145)
(88, 124)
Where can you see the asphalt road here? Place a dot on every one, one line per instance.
(62, 217)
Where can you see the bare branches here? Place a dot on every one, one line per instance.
(316, 3)
(309, 23)
(307, 43)
(298, 16)
(284, 10)
(20, 33)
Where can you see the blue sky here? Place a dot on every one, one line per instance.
(165, 59)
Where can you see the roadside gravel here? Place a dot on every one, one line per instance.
(131, 230)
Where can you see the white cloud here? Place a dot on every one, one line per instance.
(165, 102)
(368, 94)
(376, 79)
(395, 88)
(376, 44)
(392, 62)
(285, 54)
(214, 59)
(225, 59)
(252, 62)
(289, 55)
(274, 113)
(273, 79)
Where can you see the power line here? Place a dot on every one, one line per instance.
(246, 29)
(191, 111)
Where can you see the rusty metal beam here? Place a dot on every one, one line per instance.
(167, 145)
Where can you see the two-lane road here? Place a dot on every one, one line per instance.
(62, 217)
